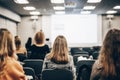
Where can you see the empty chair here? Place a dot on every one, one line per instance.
(36, 64)
(30, 73)
(83, 69)
(57, 74)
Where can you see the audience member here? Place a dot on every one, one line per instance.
(39, 49)
(28, 44)
(59, 57)
(107, 67)
(19, 48)
(10, 68)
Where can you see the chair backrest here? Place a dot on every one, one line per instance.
(83, 69)
(75, 57)
(29, 72)
(95, 54)
(57, 74)
(36, 64)
(21, 57)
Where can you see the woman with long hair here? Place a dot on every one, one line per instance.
(10, 68)
(107, 67)
(59, 56)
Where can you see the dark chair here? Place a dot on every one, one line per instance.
(95, 54)
(83, 69)
(75, 57)
(30, 73)
(21, 57)
(57, 74)
(36, 64)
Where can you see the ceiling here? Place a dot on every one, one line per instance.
(46, 7)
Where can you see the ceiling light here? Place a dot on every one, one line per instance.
(57, 1)
(89, 7)
(35, 13)
(59, 8)
(60, 12)
(93, 1)
(85, 12)
(21, 1)
(111, 12)
(29, 8)
(116, 7)
(34, 17)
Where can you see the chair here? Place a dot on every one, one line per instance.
(95, 54)
(29, 72)
(36, 64)
(75, 57)
(57, 74)
(21, 57)
(83, 69)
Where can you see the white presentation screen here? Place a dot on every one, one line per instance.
(79, 30)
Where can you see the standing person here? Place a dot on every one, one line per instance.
(59, 56)
(10, 68)
(39, 49)
(107, 67)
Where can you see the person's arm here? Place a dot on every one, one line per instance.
(73, 69)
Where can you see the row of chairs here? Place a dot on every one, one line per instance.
(83, 68)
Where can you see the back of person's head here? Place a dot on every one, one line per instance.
(110, 53)
(17, 43)
(6, 42)
(7, 46)
(39, 37)
(59, 52)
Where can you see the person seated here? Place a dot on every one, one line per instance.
(10, 68)
(39, 49)
(19, 48)
(107, 66)
(59, 57)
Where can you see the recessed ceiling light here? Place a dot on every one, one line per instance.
(85, 12)
(57, 1)
(60, 12)
(116, 7)
(93, 1)
(59, 8)
(21, 1)
(89, 7)
(111, 12)
(29, 8)
(35, 13)
(34, 17)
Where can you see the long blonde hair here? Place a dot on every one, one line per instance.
(110, 54)
(7, 46)
(59, 52)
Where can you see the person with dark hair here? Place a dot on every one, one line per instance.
(39, 49)
(107, 66)
(28, 44)
(10, 68)
(59, 57)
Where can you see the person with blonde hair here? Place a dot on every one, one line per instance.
(39, 49)
(59, 57)
(10, 68)
(107, 67)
